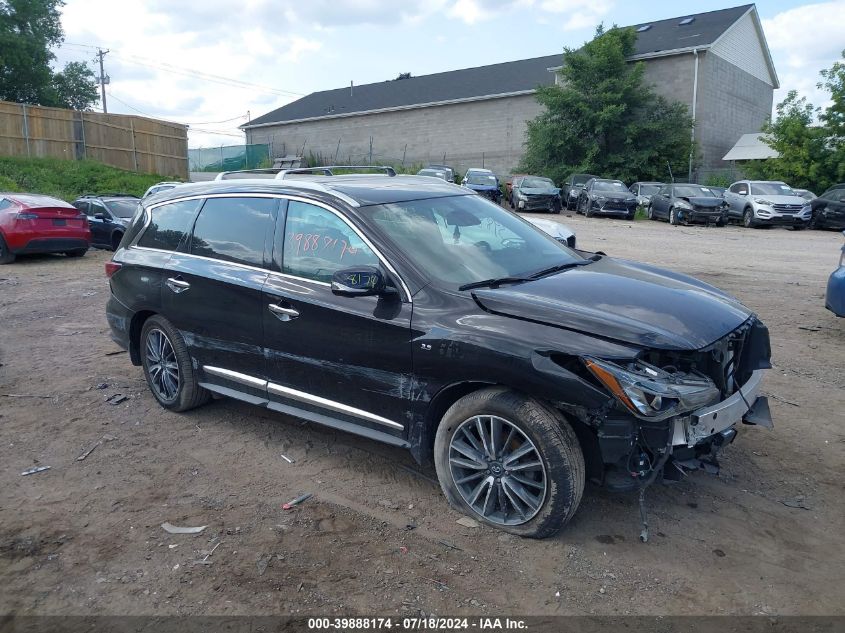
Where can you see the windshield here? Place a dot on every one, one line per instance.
(694, 191)
(464, 239)
(123, 208)
(649, 190)
(770, 189)
(481, 179)
(610, 185)
(537, 183)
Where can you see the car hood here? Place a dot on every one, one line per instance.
(555, 229)
(703, 201)
(782, 199)
(625, 301)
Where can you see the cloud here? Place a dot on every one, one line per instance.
(803, 41)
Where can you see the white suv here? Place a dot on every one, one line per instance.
(758, 203)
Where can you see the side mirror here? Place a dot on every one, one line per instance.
(99, 216)
(742, 192)
(361, 281)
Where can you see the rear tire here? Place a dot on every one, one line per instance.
(6, 256)
(552, 478)
(167, 367)
(115, 241)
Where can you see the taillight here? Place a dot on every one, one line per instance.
(112, 267)
(23, 215)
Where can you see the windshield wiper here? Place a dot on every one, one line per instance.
(566, 266)
(494, 283)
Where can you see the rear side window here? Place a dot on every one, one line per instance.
(317, 243)
(169, 224)
(234, 229)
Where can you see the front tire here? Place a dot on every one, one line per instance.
(509, 461)
(814, 222)
(673, 217)
(650, 212)
(748, 219)
(167, 367)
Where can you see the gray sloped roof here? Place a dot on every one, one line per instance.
(751, 147)
(496, 79)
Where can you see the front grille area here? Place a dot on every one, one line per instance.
(787, 208)
(615, 205)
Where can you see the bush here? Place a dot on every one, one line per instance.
(67, 179)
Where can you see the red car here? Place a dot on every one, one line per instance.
(32, 223)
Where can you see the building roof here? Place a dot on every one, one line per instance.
(662, 37)
(750, 147)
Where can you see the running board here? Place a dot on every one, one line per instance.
(311, 416)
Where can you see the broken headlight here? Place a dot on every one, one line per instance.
(652, 393)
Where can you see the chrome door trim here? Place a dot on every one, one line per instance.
(148, 216)
(228, 374)
(301, 396)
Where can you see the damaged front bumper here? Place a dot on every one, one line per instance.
(706, 422)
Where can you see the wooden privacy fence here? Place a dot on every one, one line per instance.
(129, 142)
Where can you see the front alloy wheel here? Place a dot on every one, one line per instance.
(748, 219)
(497, 470)
(510, 461)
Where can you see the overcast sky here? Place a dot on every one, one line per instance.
(208, 62)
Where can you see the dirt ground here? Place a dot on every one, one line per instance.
(764, 537)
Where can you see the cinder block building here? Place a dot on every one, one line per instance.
(717, 63)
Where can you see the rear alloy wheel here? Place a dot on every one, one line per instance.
(509, 461)
(6, 256)
(167, 367)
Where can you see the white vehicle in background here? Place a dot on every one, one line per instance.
(433, 173)
(560, 232)
(161, 186)
(757, 203)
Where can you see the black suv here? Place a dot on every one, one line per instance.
(108, 216)
(417, 313)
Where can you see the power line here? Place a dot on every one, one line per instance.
(189, 72)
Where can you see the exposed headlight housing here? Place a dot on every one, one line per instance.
(683, 204)
(651, 393)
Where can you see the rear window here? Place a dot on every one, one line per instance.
(169, 224)
(234, 229)
(123, 208)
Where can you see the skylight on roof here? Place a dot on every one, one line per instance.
(644, 27)
(686, 21)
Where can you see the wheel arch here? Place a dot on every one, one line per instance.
(423, 450)
(135, 327)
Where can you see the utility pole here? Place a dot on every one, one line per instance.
(103, 79)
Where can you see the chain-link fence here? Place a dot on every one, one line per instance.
(230, 157)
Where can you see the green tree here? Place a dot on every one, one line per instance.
(75, 87)
(28, 31)
(603, 119)
(810, 141)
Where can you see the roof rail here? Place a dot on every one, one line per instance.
(269, 172)
(329, 170)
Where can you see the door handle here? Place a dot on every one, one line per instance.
(177, 285)
(284, 314)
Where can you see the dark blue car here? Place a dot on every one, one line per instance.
(835, 299)
(483, 182)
